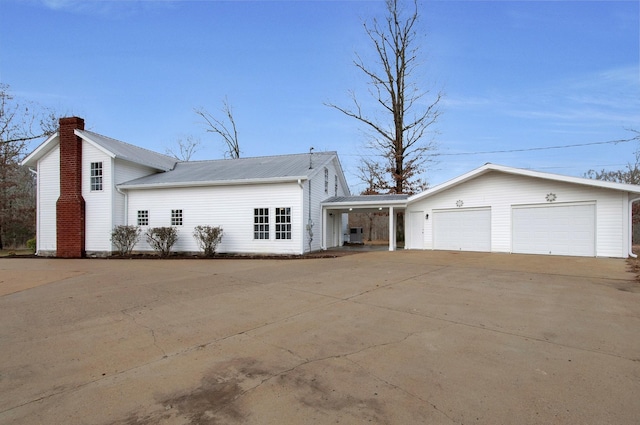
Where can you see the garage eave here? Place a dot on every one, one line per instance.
(629, 188)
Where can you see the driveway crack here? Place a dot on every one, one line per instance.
(149, 328)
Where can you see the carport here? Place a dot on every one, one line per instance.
(334, 208)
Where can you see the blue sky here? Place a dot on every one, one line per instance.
(515, 74)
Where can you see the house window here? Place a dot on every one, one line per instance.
(261, 223)
(96, 176)
(143, 217)
(176, 217)
(283, 223)
(326, 180)
(335, 185)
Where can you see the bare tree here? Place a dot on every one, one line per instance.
(630, 174)
(186, 148)
(228, 132)
(370, 173)
(397, 134)
(19, 125)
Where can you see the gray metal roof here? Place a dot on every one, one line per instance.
(222, 171)
(366, 198)
(129, 152)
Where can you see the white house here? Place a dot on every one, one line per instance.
(293, 204)
(88, 184)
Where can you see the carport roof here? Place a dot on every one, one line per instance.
(366, 201)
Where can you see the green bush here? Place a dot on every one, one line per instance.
(31, 244)
(162, 239)
(208, 238)
(125, 238)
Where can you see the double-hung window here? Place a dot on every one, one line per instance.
(176, 217)
(96, 176)
(283, 223)
(261, 223)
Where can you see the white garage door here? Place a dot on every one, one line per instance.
(555, 229)
(462, 230)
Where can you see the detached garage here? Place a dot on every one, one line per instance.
(503, 209)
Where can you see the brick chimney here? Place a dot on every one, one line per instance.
(70, 207)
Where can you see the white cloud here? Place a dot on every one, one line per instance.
(59, 4)
(105, 7)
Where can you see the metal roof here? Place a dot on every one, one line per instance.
(237, 171)
(128, 152)
(365, 199)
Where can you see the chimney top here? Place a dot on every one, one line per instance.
(72, 121)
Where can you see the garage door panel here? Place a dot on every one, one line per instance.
(462, 230)
(554, 229)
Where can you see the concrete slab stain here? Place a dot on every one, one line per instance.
(212, 403)
(215, 401)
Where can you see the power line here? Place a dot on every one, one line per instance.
(541, 148)
(637, 138)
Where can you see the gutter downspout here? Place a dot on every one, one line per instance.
(310, 222)
(301, 185)
(631, 201)
(126, 205)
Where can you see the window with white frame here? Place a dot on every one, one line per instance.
(283, 223)
(261, 223)
(143, 217)
(176, 217)
(326, 180)
(96, 176)
(335, 185)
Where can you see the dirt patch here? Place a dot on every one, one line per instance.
(16, 253)
(634, 264)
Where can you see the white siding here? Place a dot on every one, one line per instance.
(123, 172)
(317, 195)
(228, 206)
(501, 191)
(332, 231)
(98, 204)
(48, 194)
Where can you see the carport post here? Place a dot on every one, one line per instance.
(323, 232)
(392, 231)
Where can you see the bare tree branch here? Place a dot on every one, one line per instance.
(186, 148)
(229, 135)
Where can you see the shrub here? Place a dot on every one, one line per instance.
(162, 239)
(31, 244)
(125, 238)
(208, 238)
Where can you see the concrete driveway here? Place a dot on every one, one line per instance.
(382, 337)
